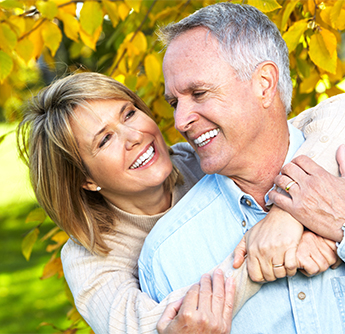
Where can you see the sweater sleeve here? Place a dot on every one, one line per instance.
(324, 129)
(107, 294)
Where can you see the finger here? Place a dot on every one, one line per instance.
(240, 253)
(205, 293)
(278, 266)
(230, 288)
(169, 314)
(287, 183)
(191, 300)
(309, 266)
(305, 165)
(254, 269)
(341, 159)
(328, 254)
(291, 262)
(218, 293)
(337, 263)
(281, 200)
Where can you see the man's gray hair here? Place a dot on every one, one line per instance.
(246, 37)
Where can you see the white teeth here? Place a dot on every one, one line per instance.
(144, 159)
(205, 137)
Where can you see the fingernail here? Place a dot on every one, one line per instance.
(219, 272)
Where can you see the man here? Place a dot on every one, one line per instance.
(227, 77)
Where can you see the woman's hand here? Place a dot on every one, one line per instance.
(206, 308)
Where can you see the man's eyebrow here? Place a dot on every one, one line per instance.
(123, 108)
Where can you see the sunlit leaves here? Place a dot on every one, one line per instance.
(52, 36)
(6, 65)
(48, 9)
(153, 67)
(293, 35)
(320, 53)
(53, 267)
(8, 38)
(265, 5)
(91, 17)
(28, 243)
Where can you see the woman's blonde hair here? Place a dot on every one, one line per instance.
(47, 145)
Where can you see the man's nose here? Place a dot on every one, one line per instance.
(132, 137)
(184, 117)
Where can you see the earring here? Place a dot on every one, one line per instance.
(98, 188)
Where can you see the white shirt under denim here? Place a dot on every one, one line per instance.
(204, 227)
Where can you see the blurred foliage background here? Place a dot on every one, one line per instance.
(44, 40)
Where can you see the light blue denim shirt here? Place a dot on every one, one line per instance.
(205, 227)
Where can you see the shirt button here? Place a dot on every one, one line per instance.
(324, 139)
(248, 202)
(244, 223)
(301, 295)
(311, 154)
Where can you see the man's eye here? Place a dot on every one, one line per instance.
(104, 140)
(173, 104)
(198, 93)
(130, 114)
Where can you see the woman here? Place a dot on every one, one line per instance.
(100, 168)
(102, 171)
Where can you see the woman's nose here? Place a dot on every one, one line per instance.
(132, 137)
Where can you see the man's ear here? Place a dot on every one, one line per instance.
(267, 76)
(90, 185)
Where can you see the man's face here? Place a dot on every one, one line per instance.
(217, 113)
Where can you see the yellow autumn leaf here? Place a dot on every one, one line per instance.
(17, 24)
(47, 9)
(123, 10)
(265, 5)
(52, 36)
(28, 243)
(70, 25)
(8, 39)
(36, 38)
(91, 17)
(309, 84)
(90, 40)
(137, 45)
(311, 6)
(67, 6)
(25, 49)
(163, 108)
(319, 54)
(153, 67)
(11, 4)
(336, 10)
(135, 4)
(339, 22)
(53, 267)
(287, 12)
(330, 40)
(60, 237)
(325, 15)
(111, 10)
(293, 36)
(36, 216)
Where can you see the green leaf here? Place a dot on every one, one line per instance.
(265, 5)
(294, 34)
(28, 243)
(47, 9)
(10, 4)
(8, 38)
(6, 65)
(91, 17)
(36, 216)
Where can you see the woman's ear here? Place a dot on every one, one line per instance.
(90, 185)
(267, 77)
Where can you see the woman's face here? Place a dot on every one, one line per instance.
(122, 148)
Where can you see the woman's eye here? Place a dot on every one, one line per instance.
(130, 114)
(104, 140)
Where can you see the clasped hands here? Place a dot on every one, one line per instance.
(304, 235)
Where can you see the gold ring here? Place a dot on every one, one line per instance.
(278, 265)
(290, 184)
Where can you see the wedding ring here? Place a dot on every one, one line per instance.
(289, 185)
(278, 265)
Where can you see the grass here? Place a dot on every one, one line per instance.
(25, 300)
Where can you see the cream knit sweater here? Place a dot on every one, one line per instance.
(106, 289)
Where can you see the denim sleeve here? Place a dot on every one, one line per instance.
(341, 247)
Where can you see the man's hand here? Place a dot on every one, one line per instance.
(206, 308)
(317, 198)
(271, 247)
(316, 254)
